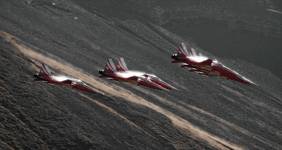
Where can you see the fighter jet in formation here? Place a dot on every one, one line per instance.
(120, 72)
(46, 75)
(196, 62)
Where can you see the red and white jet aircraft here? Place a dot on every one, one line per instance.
(203, 65)
(46, 75)
(120, 72)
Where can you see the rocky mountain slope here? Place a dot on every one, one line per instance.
(204, 113)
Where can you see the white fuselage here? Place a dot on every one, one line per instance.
(200, 59)
(129, 74)
(197, 59)
(133, 76)
(61, 78)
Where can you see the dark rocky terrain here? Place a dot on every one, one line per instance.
(204, 113)
(248, 30)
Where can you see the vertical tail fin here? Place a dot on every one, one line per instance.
(45, 69)
(182, 50)
(193, 52)
(121, 66)
(110, 66)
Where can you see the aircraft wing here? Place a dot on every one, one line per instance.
(149, 83)
(82, 86)
(196, 70)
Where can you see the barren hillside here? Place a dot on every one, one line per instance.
(76, 37)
